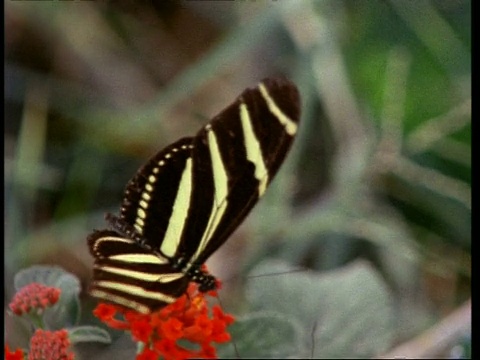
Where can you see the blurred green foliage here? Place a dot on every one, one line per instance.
(381, 169)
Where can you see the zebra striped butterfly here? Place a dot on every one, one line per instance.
(185, 202)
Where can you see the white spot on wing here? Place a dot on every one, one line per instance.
(141, 213)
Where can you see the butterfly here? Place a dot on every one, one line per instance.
(186, 201)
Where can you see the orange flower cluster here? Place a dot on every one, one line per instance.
(35, 297)
(50, 345)
(187, 318)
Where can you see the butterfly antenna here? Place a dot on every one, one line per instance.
(276, 273)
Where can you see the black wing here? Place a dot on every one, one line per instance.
(155, 201)
(187, 199)
(237, 155)
(191, 196)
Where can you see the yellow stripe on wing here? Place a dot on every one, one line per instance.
(290, 126)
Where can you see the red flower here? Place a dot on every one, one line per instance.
(172, 329)
(208, 352)
(17, 355)
(147, 354)
(220, 322)
(34, 297)
(142, 330)
(165, 346)
(200, 331)
(106, 313)
(188, 318)
(50, 345)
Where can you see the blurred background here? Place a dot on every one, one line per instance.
(361, 246)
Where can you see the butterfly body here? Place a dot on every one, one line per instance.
(188, 199)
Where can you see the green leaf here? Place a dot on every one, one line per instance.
(47, 275)
(262, 335)
(89, 334)
(346, 312)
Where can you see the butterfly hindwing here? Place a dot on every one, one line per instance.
(130, 275)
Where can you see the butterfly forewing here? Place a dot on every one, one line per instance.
(187, 200)
(240, 151)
